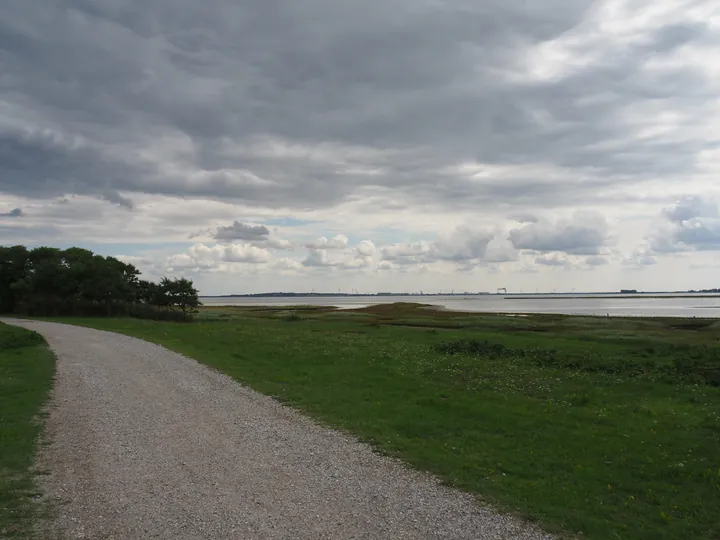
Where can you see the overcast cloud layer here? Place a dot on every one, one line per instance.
(374, 145)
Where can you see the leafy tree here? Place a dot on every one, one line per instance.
(14, 266)
(75, 281)
(180, 293)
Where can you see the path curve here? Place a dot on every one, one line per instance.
(147, 443)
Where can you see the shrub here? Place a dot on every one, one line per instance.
(474, 347)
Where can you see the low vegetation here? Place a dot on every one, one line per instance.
(50, 282)
(26, 370)
(666, 362)
(600, 427)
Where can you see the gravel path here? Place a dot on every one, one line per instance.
(151, 444)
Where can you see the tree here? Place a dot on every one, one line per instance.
(14, 265)
(151, 293)
(48, 281)
(181, 293)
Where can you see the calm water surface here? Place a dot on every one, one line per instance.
(617, 306)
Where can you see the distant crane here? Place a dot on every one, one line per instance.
(502, 289)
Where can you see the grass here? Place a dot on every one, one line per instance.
(26, 371)
(600, 427)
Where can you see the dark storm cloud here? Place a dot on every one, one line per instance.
(45, 164)
(299, 105)
(14, 213)
(242, 231)
(116, 198)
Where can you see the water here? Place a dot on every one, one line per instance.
(655, 305)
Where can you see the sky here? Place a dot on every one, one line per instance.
(374, 145)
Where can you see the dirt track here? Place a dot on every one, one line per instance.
(150, 444)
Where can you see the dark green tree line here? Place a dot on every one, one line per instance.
(48, 281)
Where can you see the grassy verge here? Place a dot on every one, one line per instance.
(26, 370)
(605, 427)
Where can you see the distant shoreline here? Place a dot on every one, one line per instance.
(340, 295)
(508, 296)
(611, 296)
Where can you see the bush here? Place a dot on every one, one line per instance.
(145, 311)
(475, 347)
(698, 366)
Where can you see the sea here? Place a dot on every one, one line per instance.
(611, 305)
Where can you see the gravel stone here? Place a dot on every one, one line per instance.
(147, 443)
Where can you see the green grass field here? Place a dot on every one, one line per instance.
(609, 428)
(26, 371)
